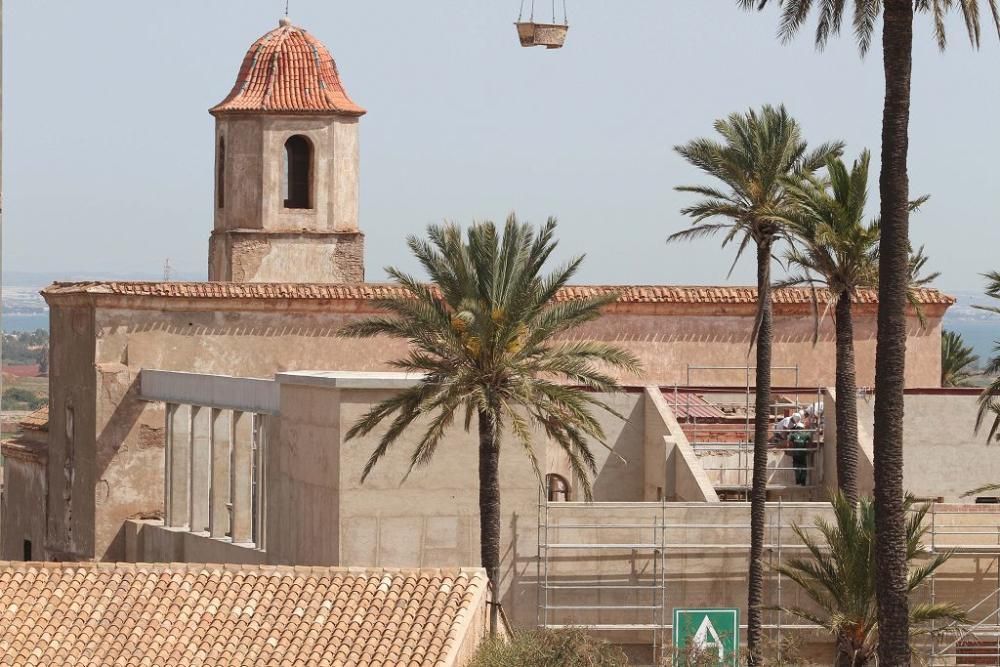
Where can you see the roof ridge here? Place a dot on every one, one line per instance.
(676, 294)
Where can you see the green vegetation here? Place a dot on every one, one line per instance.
(839, 578)
(895, 263)
(483, 337)
(18, 398)
(760, 154)
(23, 348)
(989, 400)
(549, 648)
(958, 362)
(835, 247)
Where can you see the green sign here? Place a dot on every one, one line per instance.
(707, 633)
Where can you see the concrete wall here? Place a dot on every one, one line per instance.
(943, 457)
(622, 464)
(673, 471)
(99, 344)
(22, 515)
(148, 541)
(866, 453)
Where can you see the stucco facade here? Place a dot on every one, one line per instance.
(103, 337)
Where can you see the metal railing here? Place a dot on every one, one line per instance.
(629, 557)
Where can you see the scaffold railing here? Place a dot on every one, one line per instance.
(580, 545)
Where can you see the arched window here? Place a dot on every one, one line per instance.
(220, 174)
(558, 488)
(298, 172)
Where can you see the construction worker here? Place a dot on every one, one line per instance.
(800, 442)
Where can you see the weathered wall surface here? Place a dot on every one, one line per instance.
(96, 360)
(74, 465)
(257, 239)
(148, 541)
(23, 508)
(262, 257)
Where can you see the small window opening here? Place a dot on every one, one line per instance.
(220, 174)
(298, 172)
(987, 500)
(27, 550)
(558, 488)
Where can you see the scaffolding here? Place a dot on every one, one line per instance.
(653, 545)
(717, 424)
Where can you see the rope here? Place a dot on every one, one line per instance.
(520, 12)
(553, 11)
(565, 15)
(532, 18)
(286, 7)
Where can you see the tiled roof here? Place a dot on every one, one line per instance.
(226, 615)
(375, 291)
(37, 420)
(288, 71)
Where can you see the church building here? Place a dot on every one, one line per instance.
(286, 272)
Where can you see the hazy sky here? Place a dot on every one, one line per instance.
(108, 144)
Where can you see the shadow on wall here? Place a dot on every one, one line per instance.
(617, 480)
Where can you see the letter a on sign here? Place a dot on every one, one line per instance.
(707, 633)
(707, 639)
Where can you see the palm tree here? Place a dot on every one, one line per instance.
(839, 578)
(760, 153)
(483, 336)
(989, 400)
(836, 248)
(890, 355)
(956, 358)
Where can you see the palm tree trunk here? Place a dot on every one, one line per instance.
(762, 423)
(890, 357)
(489, 509)
(847, 402)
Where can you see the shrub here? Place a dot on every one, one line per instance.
(549, 648)
(17, 398)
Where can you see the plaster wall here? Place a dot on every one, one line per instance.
(74, 462)
(254, 168)
(98, 350)
(943, 456)
(258, 256)
(622, 465)
(23, 508)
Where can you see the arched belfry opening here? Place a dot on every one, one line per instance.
(298, 172)
(220, 174)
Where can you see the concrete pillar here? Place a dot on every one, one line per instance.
(200, 467)
(178, 465)
(241, 476)
(218, 506)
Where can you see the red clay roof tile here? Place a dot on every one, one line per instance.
(661, 294)
(188, 614)
(288, 71)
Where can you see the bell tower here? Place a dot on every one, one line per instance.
(286, 168)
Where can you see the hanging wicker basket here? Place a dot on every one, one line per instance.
(549, 35)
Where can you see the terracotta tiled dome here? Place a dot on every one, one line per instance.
(288, 71)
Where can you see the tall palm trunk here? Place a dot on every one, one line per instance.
(762, 422)
(847, 405)
(489, 508)
(890, 529)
